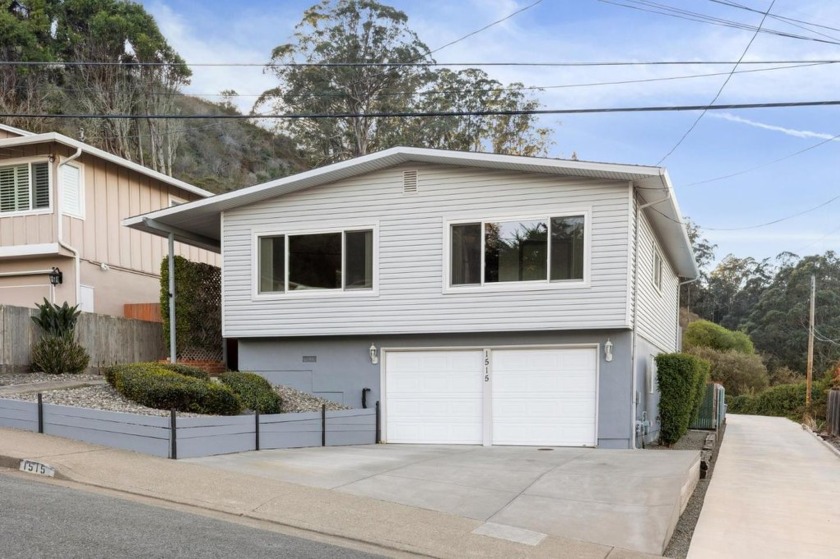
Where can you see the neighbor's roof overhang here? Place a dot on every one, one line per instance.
(200, 221)
(17, 131)
(34, 139)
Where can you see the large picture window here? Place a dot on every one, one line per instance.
(24, 187)
(549, 249)
(318, 261)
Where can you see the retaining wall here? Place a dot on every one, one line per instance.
(193, 437)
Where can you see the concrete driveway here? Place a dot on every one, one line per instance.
(625, 498)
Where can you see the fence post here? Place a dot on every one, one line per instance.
(378, 423)
(40, 413)
(173, 434)
(257, 428)
(323, 424)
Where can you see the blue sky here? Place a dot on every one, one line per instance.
(723, 143)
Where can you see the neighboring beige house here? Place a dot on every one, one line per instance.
(103, 265)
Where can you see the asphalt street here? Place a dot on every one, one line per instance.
(38, 520)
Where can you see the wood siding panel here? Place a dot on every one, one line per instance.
(657, 314)
(411, 249)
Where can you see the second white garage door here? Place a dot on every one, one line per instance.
(541, 397)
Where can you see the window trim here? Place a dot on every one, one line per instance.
(657, 256)
(257, 234)
(50, 190)
(75, 164)
(529, 285)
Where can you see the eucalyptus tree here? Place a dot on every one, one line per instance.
(359, 66)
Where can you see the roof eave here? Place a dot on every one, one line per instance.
(33, 139)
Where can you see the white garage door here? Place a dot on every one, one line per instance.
(543, 397)
(433, 397)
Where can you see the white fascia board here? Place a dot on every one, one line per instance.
(90, 150)
(44, 249)
(396, 156)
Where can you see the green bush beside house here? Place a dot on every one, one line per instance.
(682, 379)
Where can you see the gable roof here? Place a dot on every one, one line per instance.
(16, 131)
(199, 222)
(28, 139)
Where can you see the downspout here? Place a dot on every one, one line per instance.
(633, 397)
(635, 326)
(61, 242)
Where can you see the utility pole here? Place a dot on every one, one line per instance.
(810, 371)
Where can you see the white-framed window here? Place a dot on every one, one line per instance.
(656, 277)
(544, 250)
(25, 187)
(72, 190)
(332, 261)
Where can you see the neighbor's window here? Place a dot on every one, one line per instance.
(657, 268)
(319, 261)
(24, 187)
(547, 249)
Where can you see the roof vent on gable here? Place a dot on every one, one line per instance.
(409, 182)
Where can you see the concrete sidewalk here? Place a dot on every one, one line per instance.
(775, 493)
(393, 528)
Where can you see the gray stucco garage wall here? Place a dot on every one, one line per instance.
(338, 368)
(646, 386)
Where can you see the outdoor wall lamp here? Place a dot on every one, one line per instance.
(56, 277)
(608, 347)
(374, 356)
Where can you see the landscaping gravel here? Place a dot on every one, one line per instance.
(104, 397)
(38, 378)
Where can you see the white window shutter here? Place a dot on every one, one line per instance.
(71, 189)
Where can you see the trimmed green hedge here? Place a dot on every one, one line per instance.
(186, 370)
(703, 333)
(682, 379)
(152, 385)
(254, 391)
(783, 400)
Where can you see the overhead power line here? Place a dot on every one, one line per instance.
(723, 85)
(486, 27)
(679, 13)
(428, 92)
(421, 64)
(321, 116)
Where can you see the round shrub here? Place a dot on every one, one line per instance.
(739, 373)
(59, 354)
(186, 370)
(152, 385)
(255, 392)
(703, 333)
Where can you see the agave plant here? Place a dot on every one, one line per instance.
(57, 320)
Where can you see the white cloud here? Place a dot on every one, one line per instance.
(788, 131)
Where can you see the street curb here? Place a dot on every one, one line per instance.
(13, 463)
(825, 443)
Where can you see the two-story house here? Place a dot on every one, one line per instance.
(483, 299)
(61, 206)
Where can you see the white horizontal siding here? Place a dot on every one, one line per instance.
(411, 297)
(657, 313)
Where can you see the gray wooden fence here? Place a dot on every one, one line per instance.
(107, 339)
(193, 437)
(832, 415)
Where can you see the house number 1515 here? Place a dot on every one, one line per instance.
(486, 365)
